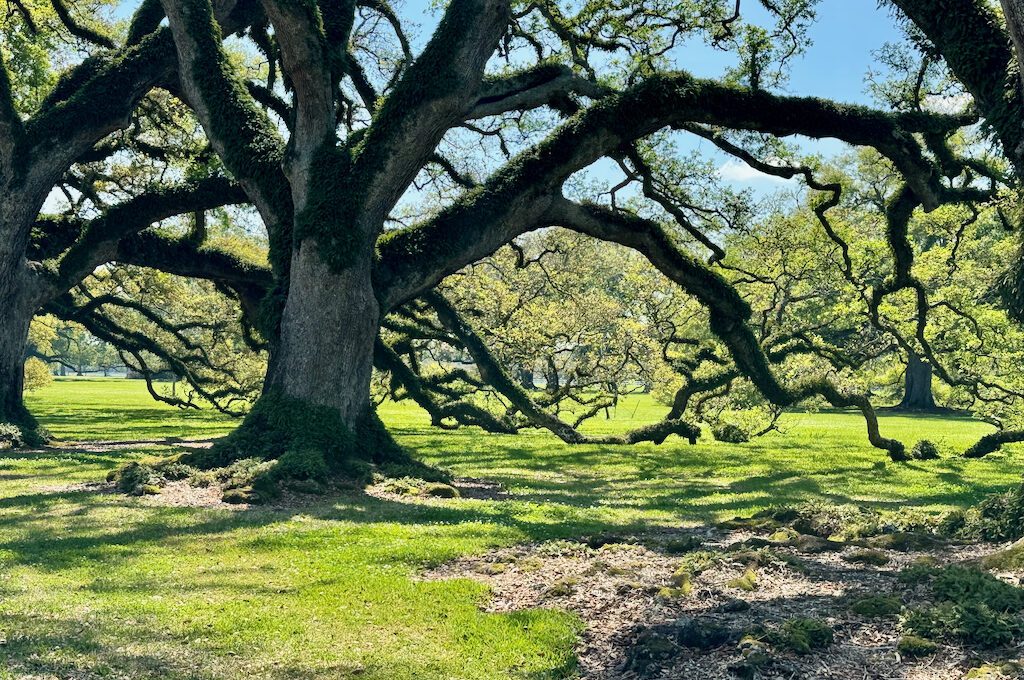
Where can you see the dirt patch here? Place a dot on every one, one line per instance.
(480, 489)
(181, 494)
(624, 591)
(415, 491)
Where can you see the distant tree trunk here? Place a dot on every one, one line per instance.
(551, 376)
(526, 378)
(917, 386)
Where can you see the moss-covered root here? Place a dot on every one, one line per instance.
(287, 442)
(22, 433)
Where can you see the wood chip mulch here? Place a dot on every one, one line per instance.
(615, 588)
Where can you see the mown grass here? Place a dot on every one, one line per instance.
(102, 585)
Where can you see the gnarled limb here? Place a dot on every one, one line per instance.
(991, 443)
(99, 237)
(728, 311)
(494, 375)
(977, 49)
(513, 200)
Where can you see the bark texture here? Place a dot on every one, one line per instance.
(330, 324)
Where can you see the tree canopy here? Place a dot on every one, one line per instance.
(395, 186)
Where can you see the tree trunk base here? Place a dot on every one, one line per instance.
(19, 430)
(286, 443)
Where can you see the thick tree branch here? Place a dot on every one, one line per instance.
(183, 257)
(432, 96)
(970, 37)
(240, 132)
(98, 240)
(545, 84)
(513, 200)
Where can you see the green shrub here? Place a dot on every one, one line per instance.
(842, 521)
(966, 585)
(912, 646)
(919, 571)
(999, 517)
(440, 490)
(995, 671)
(175, 471)
(11, 436)
(983, 626)
(243, 472)
(952, 523)
(802, 635)
(936, 622)
(695, 563)
(562, 588)
(730, 434)
(134, 476)
(973, 606)
(778, 513)
(924, 450)
(305, 463)
(877, 606)
(240, 495)
(903, 541)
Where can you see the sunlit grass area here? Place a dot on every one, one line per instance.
(96, 584)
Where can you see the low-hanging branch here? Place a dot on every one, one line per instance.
(728, 311)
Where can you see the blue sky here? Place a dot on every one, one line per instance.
(845, 35)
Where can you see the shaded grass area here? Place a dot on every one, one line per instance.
(102, 585)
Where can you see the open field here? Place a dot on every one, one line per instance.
(96, 584)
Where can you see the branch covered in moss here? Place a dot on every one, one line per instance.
(513, 200)
(98, 240)
(969, 35)
(547, 84)
(990, 443)
(241, 133)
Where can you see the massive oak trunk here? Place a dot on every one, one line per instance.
(917, 386)
(328, 329)
(16, 318)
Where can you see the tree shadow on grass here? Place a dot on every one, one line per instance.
(33, 531)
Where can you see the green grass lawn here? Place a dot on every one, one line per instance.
(102, 585)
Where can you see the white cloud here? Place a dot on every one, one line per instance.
(947, 103)
(738, 171)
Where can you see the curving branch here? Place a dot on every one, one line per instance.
(547, 84)
(514, 199)
(79, 30)
(240, 132)
(975, 45)
(728, 311)
(494, 375)
(98, 239)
